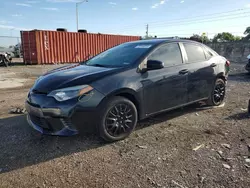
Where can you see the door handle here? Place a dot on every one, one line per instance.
(213, 65)
(184, 71)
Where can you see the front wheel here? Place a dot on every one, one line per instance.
(217, 95)
(118, 119)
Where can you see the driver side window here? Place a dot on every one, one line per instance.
(169, 54)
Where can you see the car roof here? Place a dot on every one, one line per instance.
(160, 41)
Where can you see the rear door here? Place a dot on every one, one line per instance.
(201, 71)
(165, 88)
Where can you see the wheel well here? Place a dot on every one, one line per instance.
(132, 99)
(221, 77)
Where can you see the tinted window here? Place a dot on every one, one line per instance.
(195, 53)
(208, 54)
(211, 51)
(169, 54)
(120, 56)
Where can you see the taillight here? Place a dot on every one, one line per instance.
(227, 66)
(227, 63)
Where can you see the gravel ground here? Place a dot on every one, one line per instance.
(189, 147)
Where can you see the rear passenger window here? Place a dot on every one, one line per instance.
(169, 54)
(195, 53)
(208, 54)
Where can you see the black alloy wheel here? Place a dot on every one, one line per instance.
(119, 119)
(218, 93)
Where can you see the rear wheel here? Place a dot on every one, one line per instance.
(118, 119)
(218, 93)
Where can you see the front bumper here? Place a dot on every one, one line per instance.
(50, 117)
(38, 120)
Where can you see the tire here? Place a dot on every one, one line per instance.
(118, 119)
(217, 95)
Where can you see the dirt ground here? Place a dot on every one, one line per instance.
(188, 148)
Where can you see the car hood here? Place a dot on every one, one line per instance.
(68, 76)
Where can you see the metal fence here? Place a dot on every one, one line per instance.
(10, 44)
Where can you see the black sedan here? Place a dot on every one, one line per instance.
(124, 84)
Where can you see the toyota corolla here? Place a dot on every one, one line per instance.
(124, 84)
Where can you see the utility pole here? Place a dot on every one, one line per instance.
(147, 31)
(76, 17)
(77, 4)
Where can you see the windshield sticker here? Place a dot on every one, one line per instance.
(143, 46)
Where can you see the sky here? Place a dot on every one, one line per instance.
(165, 18)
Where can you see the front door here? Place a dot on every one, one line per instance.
(165, 88)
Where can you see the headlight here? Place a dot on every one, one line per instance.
(70, 92)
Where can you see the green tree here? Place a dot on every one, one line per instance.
(203, 38)
(17, 50)
(224, 37)
(237, 38)
(196, 37)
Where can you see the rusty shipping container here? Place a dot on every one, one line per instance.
(50, 47)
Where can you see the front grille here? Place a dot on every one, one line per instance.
(66, 122)
(50, 124)
(55, 124)
(39, 92)
(41, 122)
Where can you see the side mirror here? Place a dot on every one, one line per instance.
(154, 65)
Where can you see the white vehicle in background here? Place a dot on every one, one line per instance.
(5, 59)
(248, 64)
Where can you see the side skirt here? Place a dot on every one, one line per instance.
(173, 108)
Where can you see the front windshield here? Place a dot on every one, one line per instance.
(119, 56)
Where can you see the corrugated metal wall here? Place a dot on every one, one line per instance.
(29, 46)
(47, 47)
